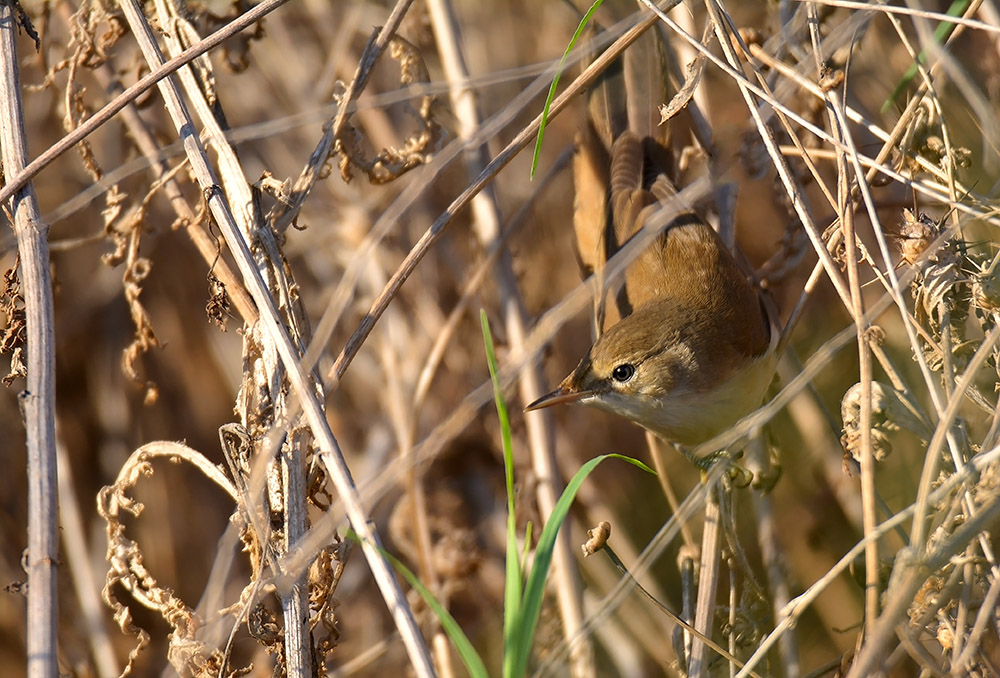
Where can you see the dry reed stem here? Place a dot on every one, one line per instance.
(948, 378)
(708, 580)
(208, 246)
(37, 401)
(845, 215)
(486, 224)
(773, 554)
(434, 233)
(236, 236)
(85, 579)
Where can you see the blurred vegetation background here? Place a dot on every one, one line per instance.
(276, 86)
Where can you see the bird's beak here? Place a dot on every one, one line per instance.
(563, 394)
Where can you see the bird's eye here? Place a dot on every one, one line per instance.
(623, 372)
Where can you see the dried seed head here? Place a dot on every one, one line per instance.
(889, 412)
(916, 234)
(986, 287)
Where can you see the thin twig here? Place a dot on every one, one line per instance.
(911, 11)
(134, 92)
(617, 562)
(432, 234)
(771, 552)
(208, 246)
(802, 602)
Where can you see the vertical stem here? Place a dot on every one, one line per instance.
(331, 455)
(486, 217)
(294, 603)
(845, 209)
(708, 579)
(85, 579)
(869, 518)
(38, 398)
(771, 555)
(868, 515)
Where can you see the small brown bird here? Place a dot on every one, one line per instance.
(694, 350)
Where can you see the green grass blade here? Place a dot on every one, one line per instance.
(941, 33)
(466, 652)
(512, 580)
(521, 614)
(555, 84)
(526, 554)
(534, 589)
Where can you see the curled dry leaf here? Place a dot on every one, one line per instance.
(13, 337)
(179, 24)
(188, 655)
(692, 79)
(264, 626)
(236, 50)
(324, 577)
(391, 163)
(119, 233)
(943, 289)
(93, 32)
(144, 338)
(598, 538)
(126, 235)
(217, 308)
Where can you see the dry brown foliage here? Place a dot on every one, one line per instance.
(846, 545)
